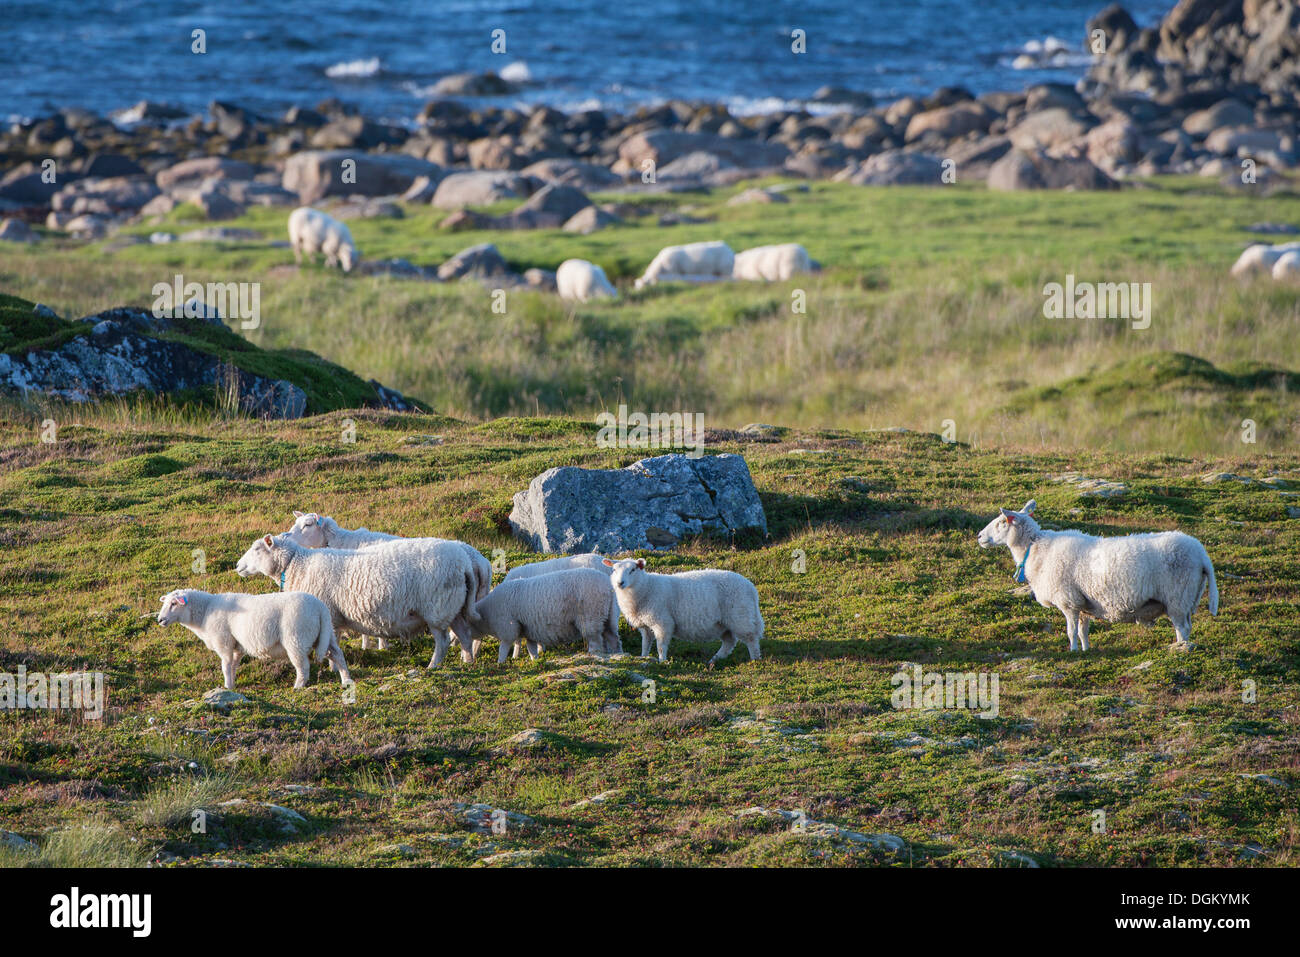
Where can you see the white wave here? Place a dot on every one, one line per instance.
(354, 68)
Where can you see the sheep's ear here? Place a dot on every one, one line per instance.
(267, 541)
(1009, 515)
(608, 562)
(1029, 507)
(640, 563)
(298, 514)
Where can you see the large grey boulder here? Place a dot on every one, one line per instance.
(652, 503)
(664, 145)
(314, 174)
(1036, 170)
(481, 188)
(896, 168)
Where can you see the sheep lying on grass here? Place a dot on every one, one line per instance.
(692, 606)
(694, 262)
(311, 231)
(288, 625)
(545, 610)
(391, 590)
(1261, 258)
(311, 530)
(564, 563)
(772, 263)
(1129, 578)
(579, 281)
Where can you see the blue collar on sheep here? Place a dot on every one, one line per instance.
(1020, 570)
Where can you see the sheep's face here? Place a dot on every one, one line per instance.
(175, 608)
(626, 572)
(260, 559)
(348, 257)
(307, 530)
(1009, 528)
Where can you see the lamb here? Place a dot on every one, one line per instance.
(579, 281)
(1129, 578)
(564, 563)
(547, 609)
(311, 231)
(694, 262)
(1260, 258)
(692, 606)
(288, 625)
(392, 590)
(772, 263)
(1287, 267)
(311, 530)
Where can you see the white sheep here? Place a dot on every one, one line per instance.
(391, 589)
(311, 231)
(1128, 578)
(694, 262)
(548, 566)
(311, 530)
(1287, 267)
(579, 281)
(772, 263)
(1260, 258)
(576, 604)
(693, 606)
(287, 625)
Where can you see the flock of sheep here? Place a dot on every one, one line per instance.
(385, 586)
(577, 280)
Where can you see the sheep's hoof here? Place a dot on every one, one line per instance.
(1182, 646)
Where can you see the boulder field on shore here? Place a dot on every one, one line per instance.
(1212, 85)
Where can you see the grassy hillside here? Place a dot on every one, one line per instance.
(930, 309)
(94, 528)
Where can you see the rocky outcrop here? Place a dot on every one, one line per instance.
(653, 503)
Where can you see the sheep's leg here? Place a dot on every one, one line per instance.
(507, 643)
(1072, 629)
(460, 628)
(595, 642)
(518, 650)
(297, 252)
(440, 645)
(662, 639)
(645, 642)
(1084, 624)
(534, 650)
(728, 645)
(365, 642)
(751, 644)
(478, 646)
(228, 663)
(383, 644)
(1183, 631)
(301, 666)
(335, 658)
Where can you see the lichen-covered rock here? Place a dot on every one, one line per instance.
(653, 503)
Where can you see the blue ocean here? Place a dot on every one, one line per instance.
(385, 55)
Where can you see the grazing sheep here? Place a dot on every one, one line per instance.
(1260, 258)
(548, 609)
(288, 625)
(311, 231)
(692, 606)
(772, 263)
(1287, 267)
(1128, 578)
(694, 262)
(579, 281)
(391, 590)
(311, 530)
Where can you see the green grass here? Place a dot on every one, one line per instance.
(930, 309)
(97, 526)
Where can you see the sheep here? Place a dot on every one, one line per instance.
(1287, 267)
(311, 530)
(391, 590)
(772, 263)
(695, 262)
(1260, 258)
(547, 609)
(564, 563)
(311, 231)
(288, 625)
(692, 606)
(579, 281)
(1128, 578)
